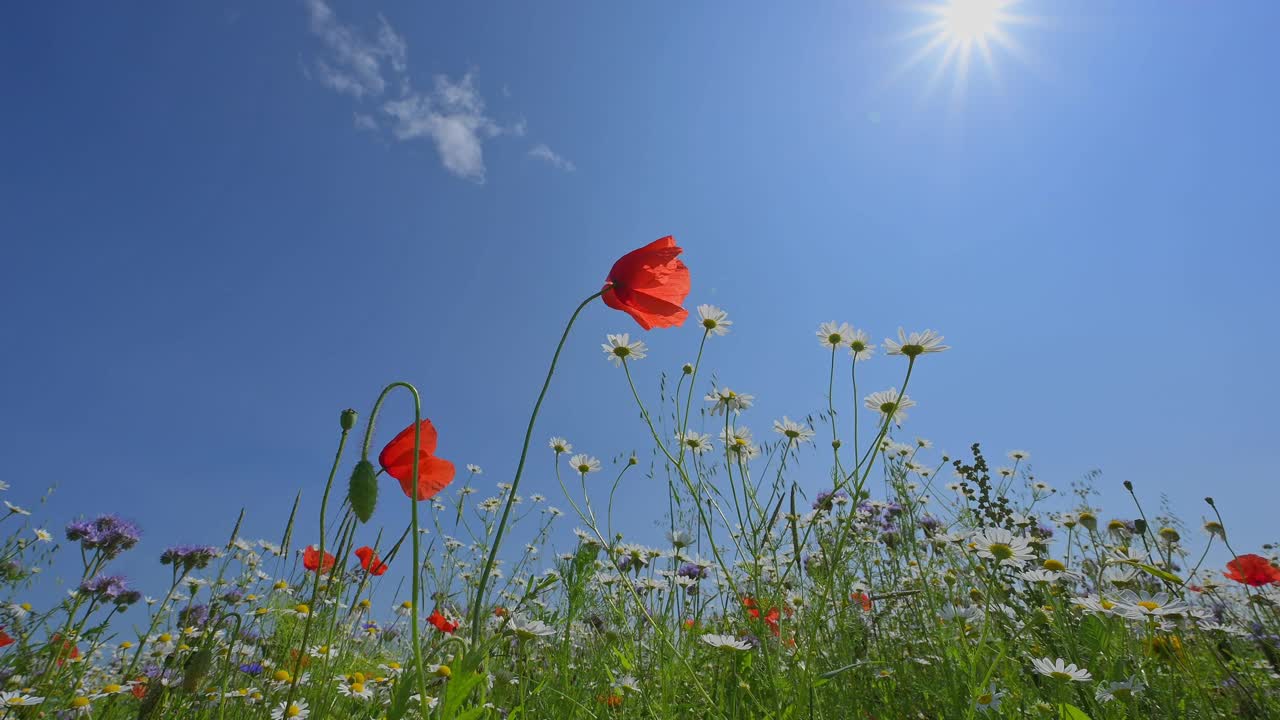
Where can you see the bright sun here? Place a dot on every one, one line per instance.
(972, 20)
(960, 30)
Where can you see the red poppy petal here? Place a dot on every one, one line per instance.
(433, 475)
(402, 444)
(659, 251)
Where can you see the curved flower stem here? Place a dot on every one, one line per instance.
(413, 515)
(315, 592)
(478, 603)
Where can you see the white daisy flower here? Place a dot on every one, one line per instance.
(860, 345)
(715, 320)
(296, 710)
(698, 443)
(833, 336)
(1002, 546)
(1122, 690)
(727, 400)
(583, 464)
(620, 348)
(725, 642)
(1060, 670)
(889, 404)
(918, 343)
(792, 430)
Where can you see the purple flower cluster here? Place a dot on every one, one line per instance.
(826, 498)
(114, 588)
(193, 616)
(692, 571)
(930, 524)
(108, 534)
(189, 557)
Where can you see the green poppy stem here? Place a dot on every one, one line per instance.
(413, 505)
(479, 602)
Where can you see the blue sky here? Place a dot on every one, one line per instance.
(223, 223)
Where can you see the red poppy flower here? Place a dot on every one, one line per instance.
(1252, 570)
(772, 620)
(5, 639)
(139, 688)
(863, 599)
(311, 559)
(441, 622)
(433, 473)
(649, 284)
(370, 561)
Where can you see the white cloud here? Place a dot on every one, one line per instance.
(452, 114)
(354, 65)
(453, 117)
(544, 153)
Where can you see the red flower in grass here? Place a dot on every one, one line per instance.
(311, 559)
(433, 473)
(649, 284)
(370, 561)
(1253, 570)
(5, 639)
(862, 599)
(442, 623)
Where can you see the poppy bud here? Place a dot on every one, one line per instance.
(197, 667)
(362, 493)
(348, 419)
(1139, 526)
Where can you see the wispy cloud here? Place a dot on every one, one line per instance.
(544, 153)
(451, 114)
(354, 63)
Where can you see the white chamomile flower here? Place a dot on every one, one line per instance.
(296, 710)
(1122, 690)
(620, 348)
(697, 443)
(918, 343)
(715, 320)
(725, 642)
(1002, 546)
(18, 699)
(989, 700)
(833, 336)
(727, 400)
(890, 405)
(860, 345)
(583, 464)
(1060, 670)
(560, 445)
(792, 430)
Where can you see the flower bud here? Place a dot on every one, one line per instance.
(348, 419)
(362, 492)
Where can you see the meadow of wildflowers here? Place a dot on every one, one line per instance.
(911, 585)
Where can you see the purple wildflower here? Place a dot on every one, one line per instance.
(189, 557)
(108, 534)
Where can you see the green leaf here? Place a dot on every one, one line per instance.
(1162, 574)
(1071, 712)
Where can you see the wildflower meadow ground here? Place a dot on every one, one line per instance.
(912, 585)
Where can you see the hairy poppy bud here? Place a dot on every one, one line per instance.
(362, 493)
(1139, 526)
(197, 667)
(348, 419)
